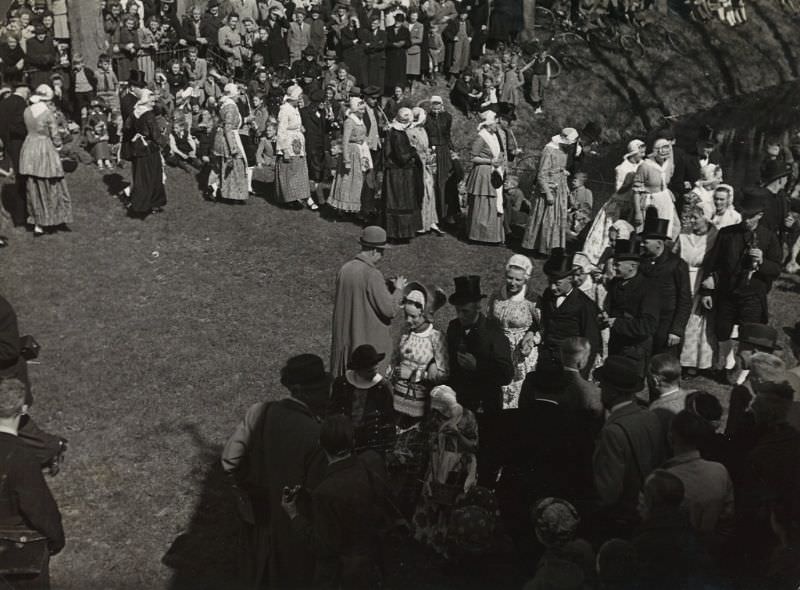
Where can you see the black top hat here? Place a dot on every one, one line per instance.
(759, 335)
(317, 95)
(773, 170)
(654, 228)
(627, 250)
(621, 373)
(399, 17)
(364, 357)
(304, 370)
(468, 290)
(136, 78)
(591, 132)
(793, 332)
(559, 265)
(212, 4)
(753, 202)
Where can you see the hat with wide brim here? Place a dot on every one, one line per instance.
(374, 236)
(372, 91)
(305, 371)
(621, 373)
(433, 298)
(468, 290)
(773, 170)
(365, 357)
(759, 335)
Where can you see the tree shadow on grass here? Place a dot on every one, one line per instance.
(204, 556)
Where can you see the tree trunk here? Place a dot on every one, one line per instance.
(528, 16)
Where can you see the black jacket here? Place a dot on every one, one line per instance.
(730, 263)
(636, 306)
(669, 274)
(487, 343)
(576, 316)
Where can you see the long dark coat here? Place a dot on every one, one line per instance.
(669, 274)
(396, 58)
(13, 133)
(576, 316)
(636, 306)
(353, 54)
(147, 189)
(375, 48)
(402, 214)
(438, 127)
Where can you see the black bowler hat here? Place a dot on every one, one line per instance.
(754, 202)
(759, 335)
(654, 228)
(468, 290)
(627, 250)
(304, 370)
(773, 170)
(560, 264)
(364, 357)
(621, 373)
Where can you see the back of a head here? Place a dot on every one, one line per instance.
(705, 405)
(772, 403)
(688, 430)
(336, 435)
(12, 397)
(666, 366)
(618, 564)
(573, 349)
(663, 490)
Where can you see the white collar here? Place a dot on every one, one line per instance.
(620, 405)
(360, 383)
(565, 295)
(663, 395)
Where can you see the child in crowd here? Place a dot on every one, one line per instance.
(97, 138)
(580, 194)
(84, 82)
(579, 219)
(264, 171)
(464, 95)
(516, 207)
(182, 151)
(108, 85)
(489, 94)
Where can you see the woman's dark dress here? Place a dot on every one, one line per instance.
(147, 190)
(401, 187)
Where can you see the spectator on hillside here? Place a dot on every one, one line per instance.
(40, 58)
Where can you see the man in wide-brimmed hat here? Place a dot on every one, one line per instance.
(272, 448)
(480, 358)
(566, 311)
(741, 268)
(777, 211)
(633, 307)
(631, 444)
(363, 306)
(668, 273)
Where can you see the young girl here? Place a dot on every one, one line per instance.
(97, 140)
(489, 94)
(264, 171)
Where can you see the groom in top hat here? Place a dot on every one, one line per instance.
(566, 311)
(480, 358)
(632, 307)
(667, 273)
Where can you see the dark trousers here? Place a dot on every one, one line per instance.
(661, 336)
(739, 308)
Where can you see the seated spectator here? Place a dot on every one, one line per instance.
(182, 148)
(464, 95)
(30, 522)
(617, 566)
(97, 139)
(568, 562)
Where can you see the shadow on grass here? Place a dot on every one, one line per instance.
(204, 556)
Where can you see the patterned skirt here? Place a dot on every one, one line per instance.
(291, 180)
(49, 203)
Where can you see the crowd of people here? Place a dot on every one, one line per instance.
(559, 418)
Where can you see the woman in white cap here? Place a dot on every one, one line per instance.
(724, 212)
(547, 227)
(619, 206)
(401, 185)
(419, 141)
(485, 183)
(49, 203)
(514, 308)
(292, 184)
(354, 162)
(148, 194)
(231, 182)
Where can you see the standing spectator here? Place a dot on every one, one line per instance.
(547, 228)
(13, 133)
(148, 194)
(13, 60)
(231, 166)
(576, 354)
(664, 384)
(631, 308)
(484, 184)
(351, 45)
(196, 70)
(348, 514)
(402, 215)
(354, 163)
(363, 306)
(29, 516)
(317, 32)
(274, 447)
(192, 33)
(457, 36)
(630, 446)
(108, 84)
(299, 35)
(740, 270)
(292, 184)
(230, 42)
(375, 48)
(515, 310)
(480, 358)
(278, 27)
(317, 129)
(211, 24)
(40, 57)
(127, 46)
(419, 141)
(774, 178)
(414, 54)
(84, 84)
(49, 203)
(667, 273)
(397, 40)
(148, 47)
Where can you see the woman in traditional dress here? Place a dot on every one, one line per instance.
(485, 184)
(618, 207)
(724, 213)
(228, 149)
(419, 141)
(512, 307)
(651, 183)
(699, 343)
(547, 227)
(402, 216)
(354, 161)
(452, 471)
(148, 194)
(49, 203)
(292, 184)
